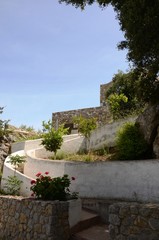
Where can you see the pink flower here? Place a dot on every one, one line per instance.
(46, 173)
(73, 178)
(38, 174)
(32, 182)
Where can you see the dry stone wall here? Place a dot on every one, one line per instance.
(29, 219)
(103, 89)
(102, 115)
(134, 221)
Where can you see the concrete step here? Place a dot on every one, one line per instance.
(88, 219)
(97, 232)
(89, 228)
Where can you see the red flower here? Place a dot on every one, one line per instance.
(32, 182)
(46, 173)
(73, 178)
(38, 174)
(32, 194)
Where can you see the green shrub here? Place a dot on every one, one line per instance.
(101, 151)
(60, 156)
(12, 185)
(130, 143)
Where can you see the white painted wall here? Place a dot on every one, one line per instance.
(35, 165)
(72, 143)
(105, 135)
(26, 145)
(75, 207)
(8, 170)
(133, 180)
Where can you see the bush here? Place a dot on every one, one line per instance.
(47, 188)
(130, 143)
(12, 185)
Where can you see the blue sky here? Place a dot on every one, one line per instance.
(54, 57)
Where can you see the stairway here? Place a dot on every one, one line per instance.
(90, 228)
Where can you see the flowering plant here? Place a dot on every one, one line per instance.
(48, 188)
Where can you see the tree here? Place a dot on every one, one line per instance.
(52, 139)
(4, 131)
(16, 161)
(12, 185)
(117, 103)
(123, 96)
(139, 20)
(85, 127)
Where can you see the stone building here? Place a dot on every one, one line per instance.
(101, 113)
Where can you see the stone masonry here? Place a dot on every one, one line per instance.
(134, 221)
(103, 90)
(30, 219)
(101, 113)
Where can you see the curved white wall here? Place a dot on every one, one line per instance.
(26, 145)
(134, 180)
(8, 170)
(21, 148)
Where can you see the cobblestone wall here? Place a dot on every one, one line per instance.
(29, 219)
(134, 221)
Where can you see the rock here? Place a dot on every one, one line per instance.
(156, 144)
(154, 223)
(5, 145)
(114, 219)
(148, 123)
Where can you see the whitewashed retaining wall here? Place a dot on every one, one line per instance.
(8, 170)
(26, 145)
(133, 180)
(106, 135)
(72, 143)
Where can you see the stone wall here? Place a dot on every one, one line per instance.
(103, 89)
(24, 218)
(102, 115)
(134, 221)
